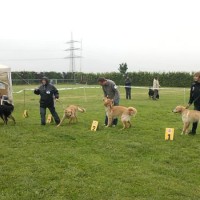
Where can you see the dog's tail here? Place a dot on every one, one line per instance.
(132, 111)
(81, 109)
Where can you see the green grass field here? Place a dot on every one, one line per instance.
(72, 162)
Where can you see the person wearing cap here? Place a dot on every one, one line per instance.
(195, 99)
(110, 91)
(47, 94)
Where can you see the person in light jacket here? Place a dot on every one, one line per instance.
(156, 86)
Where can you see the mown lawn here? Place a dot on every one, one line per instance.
(72, 162)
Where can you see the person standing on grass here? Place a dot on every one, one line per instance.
(110, 91)
(128, 88)
(195, 99)
(47, 93)
(156, 86)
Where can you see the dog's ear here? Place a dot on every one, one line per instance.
(179, 109)
(132, 111)
(183, 108)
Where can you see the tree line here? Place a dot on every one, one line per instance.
(166, 79)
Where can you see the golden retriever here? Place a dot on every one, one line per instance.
(119, 111)
(71, 113)
(188, 116)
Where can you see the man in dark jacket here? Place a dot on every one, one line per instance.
(47, 93)
(128, 88)
(195, 98)
(110, 91)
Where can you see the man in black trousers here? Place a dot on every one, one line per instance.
(195, 98)
(128, 88)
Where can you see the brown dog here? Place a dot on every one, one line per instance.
(71, 113)
(188, 116)
(119, 111)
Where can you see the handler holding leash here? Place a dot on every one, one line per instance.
(195, 98)
(47, 94)
(110, 91)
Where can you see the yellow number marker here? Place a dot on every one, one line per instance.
(169, 134)
(94, 125)
(25, 114)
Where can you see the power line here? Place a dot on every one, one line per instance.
(32, 59)
(72, 55)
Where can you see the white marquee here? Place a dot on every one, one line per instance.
(6, 82)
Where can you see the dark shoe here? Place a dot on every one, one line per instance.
(43, 124)
(192, 133)
(57, 122)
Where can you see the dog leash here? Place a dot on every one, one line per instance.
(193, 101)
(60, 103)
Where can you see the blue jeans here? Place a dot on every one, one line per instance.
(52, 111)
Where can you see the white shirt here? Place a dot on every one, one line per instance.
(156, 84)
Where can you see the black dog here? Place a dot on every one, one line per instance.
(6, 112)
(151, 93)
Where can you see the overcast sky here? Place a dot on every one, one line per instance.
(149, 35)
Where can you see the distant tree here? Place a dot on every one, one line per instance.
(123, 68)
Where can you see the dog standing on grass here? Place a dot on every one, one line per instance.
(6, 112)
(188, 116)
(151, 94)
(71, 113)
(119, 111)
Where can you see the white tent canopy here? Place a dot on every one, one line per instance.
(6, 82)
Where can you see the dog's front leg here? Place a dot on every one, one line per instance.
(5, 119)
(182, 132)
(128, 124)
(184, 128)
(124, 125)
(110, 120)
